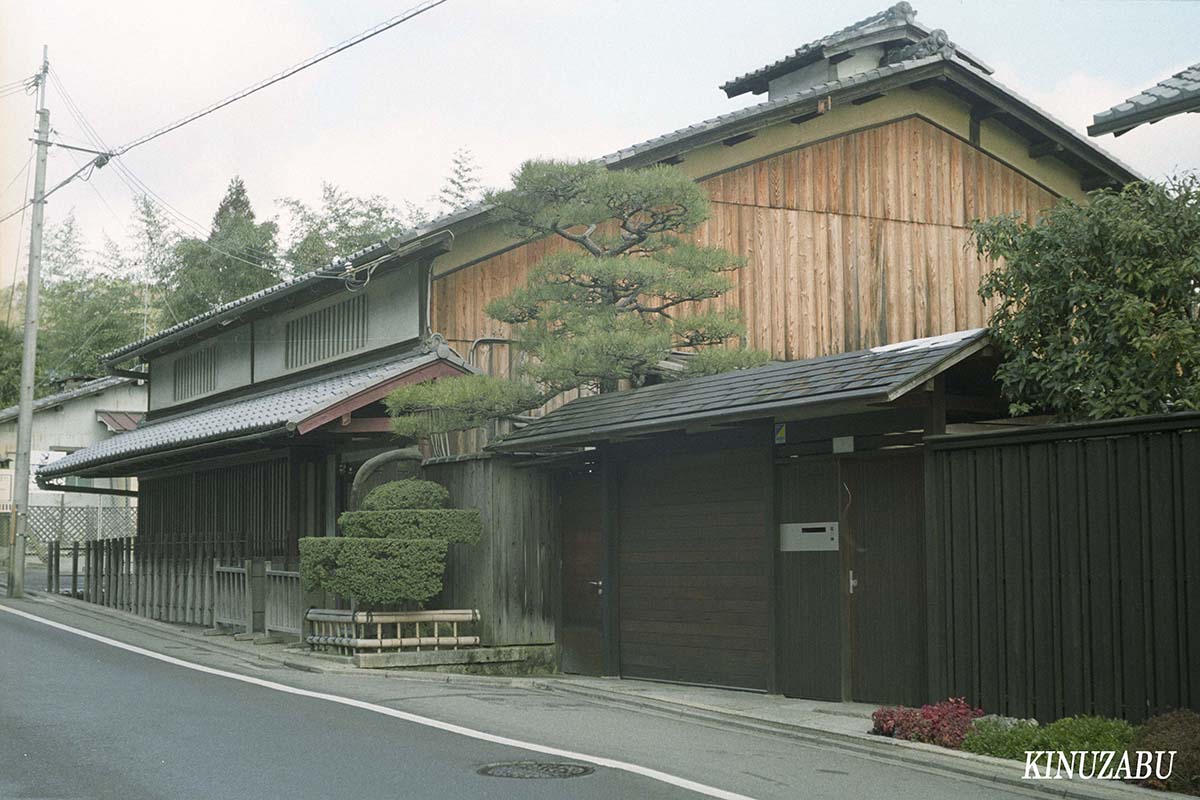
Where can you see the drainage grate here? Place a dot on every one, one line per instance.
(535, 769)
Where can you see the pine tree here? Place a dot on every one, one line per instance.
(616, 304)
(608, 310)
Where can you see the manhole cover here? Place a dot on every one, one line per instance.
(535, 769)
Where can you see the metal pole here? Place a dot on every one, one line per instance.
(16, 562)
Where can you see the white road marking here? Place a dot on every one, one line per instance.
(645, 772)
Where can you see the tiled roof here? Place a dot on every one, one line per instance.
(82, 390)
(880, 374)
(772, 111)
(234, 307)
(279, 410)
(1177, 94)
(767, 108)
(899, 18)
(119, 421)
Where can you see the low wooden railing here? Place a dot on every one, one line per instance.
(284, 603)
(350, 632)
(231, 600)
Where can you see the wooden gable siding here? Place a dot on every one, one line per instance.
(851, 242)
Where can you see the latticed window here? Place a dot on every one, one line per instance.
(327, 332)
(195, 373)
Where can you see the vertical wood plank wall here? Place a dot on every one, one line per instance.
(1064, 573)
(511, 575)
(185, 521)
(852, 242)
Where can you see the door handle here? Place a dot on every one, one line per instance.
(853, 582)
(599, 587)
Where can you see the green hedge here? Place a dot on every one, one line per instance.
(446, 524)
(374, 571)
(411, 493)
(1012, 738)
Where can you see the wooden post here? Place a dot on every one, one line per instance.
(256, 595)
(611, 539)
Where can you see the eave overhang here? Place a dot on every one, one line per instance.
(621, 420)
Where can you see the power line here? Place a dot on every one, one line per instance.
(20, 172)
(138, 187)
(12, 289)
(287, 73)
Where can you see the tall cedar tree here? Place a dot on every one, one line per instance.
(611, 307)
(239, 257)
(1098, 305)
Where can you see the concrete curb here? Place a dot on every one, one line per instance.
(912, 754)
(916, 755)
(301, 661)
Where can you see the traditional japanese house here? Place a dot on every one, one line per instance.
(641, 531)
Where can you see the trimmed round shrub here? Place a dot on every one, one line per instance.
(1179, 731)
(411, 493)
(393, 551)
(374, 571)
(461, 525)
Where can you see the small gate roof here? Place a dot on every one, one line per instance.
(295, 408)
(878, 375)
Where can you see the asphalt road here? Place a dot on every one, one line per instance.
(83, 719)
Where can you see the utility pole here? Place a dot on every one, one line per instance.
(33, 283)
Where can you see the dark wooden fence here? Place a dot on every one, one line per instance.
(1064, 568)
(511, 575)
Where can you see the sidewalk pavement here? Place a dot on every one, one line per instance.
(841, 726)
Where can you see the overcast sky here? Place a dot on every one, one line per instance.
(509, 79)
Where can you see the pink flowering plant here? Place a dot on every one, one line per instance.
(946, 723)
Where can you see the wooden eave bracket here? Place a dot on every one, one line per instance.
(738, 138)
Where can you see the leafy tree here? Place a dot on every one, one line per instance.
(88, 307)
(10, 366)
(462, 187)
(152, 261)
(1098, 305)
(341, 224)
(237, 258)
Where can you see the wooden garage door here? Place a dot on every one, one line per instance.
(694, 568)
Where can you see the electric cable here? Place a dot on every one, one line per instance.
(387, 25)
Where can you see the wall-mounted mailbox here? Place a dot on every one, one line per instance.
(808, 537)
